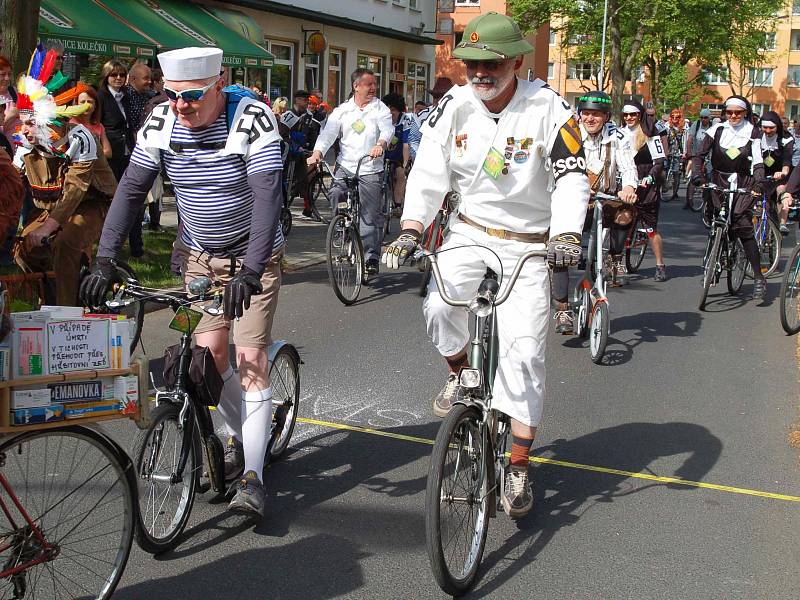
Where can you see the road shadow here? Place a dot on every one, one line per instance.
(320, 566)
(563, 495)
(630, 331)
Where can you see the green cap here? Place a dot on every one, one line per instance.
(491, 37)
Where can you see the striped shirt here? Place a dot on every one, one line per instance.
(213, 196)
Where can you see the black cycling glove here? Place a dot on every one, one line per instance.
(564, 250)
(98, 282)
(236, 298)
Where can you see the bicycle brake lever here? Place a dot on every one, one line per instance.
(216, 308)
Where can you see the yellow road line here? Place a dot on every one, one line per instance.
(566, 464)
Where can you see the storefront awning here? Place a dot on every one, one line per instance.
(84, 27)
(243, 24)
(179, 23)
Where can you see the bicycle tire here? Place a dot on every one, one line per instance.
(772, 249)
(694, 197)
(133, 312)
(710, 265)
(286, 220)
(461, 426)
(790, 288)
(284, 377)
(598, 332)
(42, 468)
(319, 188)
(737, 266)
(634, 254)
(155, 534)
(583, 302)
(345, 260)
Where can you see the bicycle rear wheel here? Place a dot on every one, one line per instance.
(790, 291)
(284, 377)
(710, 264)
(598, 332)
(457, 500)
(345, 259)
(634, 254)
(165, 501)
(737, 265)
(694, 197)
(78, 489)
(769, 249)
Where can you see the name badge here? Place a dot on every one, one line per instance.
(769, 161)
(733, 153)
(358, 126)
(494, 163)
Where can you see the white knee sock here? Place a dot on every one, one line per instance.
(230, 403)
(256, 421)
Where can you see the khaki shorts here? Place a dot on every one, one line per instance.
(254, 329)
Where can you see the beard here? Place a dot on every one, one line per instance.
(499, 85)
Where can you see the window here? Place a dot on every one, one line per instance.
(714, 108)
(718, 78)
(760, 77)
(581, 70)
(760, 109)
(769, 41)
(796, 7)
(794, 43)
(312, 71)
(374, 63)
(639, 74)
(412, 4)
(468, 2)
(579, 39)
(551, 71)
(336, 93)
(793, 110)
(281, 73)
(552, 37)
(417, 78)
(793, 78)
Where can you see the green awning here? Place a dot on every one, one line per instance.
(179, 23)
(84, 27)
(243, 24)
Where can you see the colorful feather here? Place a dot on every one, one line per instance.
(73, 111)
(56, 82)
(24, 102)
(36, 62)
(48, 66)
(70, 95)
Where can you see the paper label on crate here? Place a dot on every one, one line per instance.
(78, 345)
(75, 391)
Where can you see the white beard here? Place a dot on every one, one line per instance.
(500, 84)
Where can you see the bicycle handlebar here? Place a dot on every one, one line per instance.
(465, 303)
(724, 190)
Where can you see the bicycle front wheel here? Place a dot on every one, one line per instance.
(598, 332)
(710, 264)
(770, 249)
(284, 377)
(634, 254)
(737, 266)
(165, 499)
(790, 290)
(457, 500)
(78, 490)
(345, 259)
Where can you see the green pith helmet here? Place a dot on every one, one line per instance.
(491, 37)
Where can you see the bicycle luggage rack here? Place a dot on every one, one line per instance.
(139, 367)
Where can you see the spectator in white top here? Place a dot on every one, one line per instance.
(363, 125)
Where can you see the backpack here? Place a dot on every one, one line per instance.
(233, 95)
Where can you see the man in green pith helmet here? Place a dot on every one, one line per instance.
(511, 149)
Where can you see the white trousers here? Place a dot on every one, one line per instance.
(519, 385)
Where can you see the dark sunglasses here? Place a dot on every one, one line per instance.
(734, 113)
(117, 74)
(489, 65)
(190, 95)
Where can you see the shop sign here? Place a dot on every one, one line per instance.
(397, 77)
(316, 42)
(82, 46)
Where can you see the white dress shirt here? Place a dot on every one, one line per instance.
(118, 95)
(358, 131)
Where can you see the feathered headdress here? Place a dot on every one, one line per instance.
(35, 100)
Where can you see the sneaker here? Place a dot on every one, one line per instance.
(784, 229)
(620, 271)
(517, 496)
(661, 273)
(759, 289)
(564, 322)
(308, 214)
(250, 495)
(444, 400)
(234, 458)
(372, 266)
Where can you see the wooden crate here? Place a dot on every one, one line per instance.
(141, 416)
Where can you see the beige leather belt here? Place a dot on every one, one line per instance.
(503, 234)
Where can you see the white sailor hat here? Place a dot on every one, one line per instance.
(188, 64)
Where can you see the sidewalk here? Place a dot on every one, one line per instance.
(305, 244)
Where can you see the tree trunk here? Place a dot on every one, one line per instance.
(19, 25)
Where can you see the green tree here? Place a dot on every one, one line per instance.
(19, 24)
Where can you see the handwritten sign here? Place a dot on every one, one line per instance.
(78, 345)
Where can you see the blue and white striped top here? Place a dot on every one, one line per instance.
(213, 196)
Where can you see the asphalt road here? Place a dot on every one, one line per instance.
(704, 397)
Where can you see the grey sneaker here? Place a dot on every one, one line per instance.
(620, 273)
(234, 458)
(450, 393)
(517, 496)
(250, 495)
(759, 289)
(661, 273)
(564, 322)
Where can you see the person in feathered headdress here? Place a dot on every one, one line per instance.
(70, 181)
